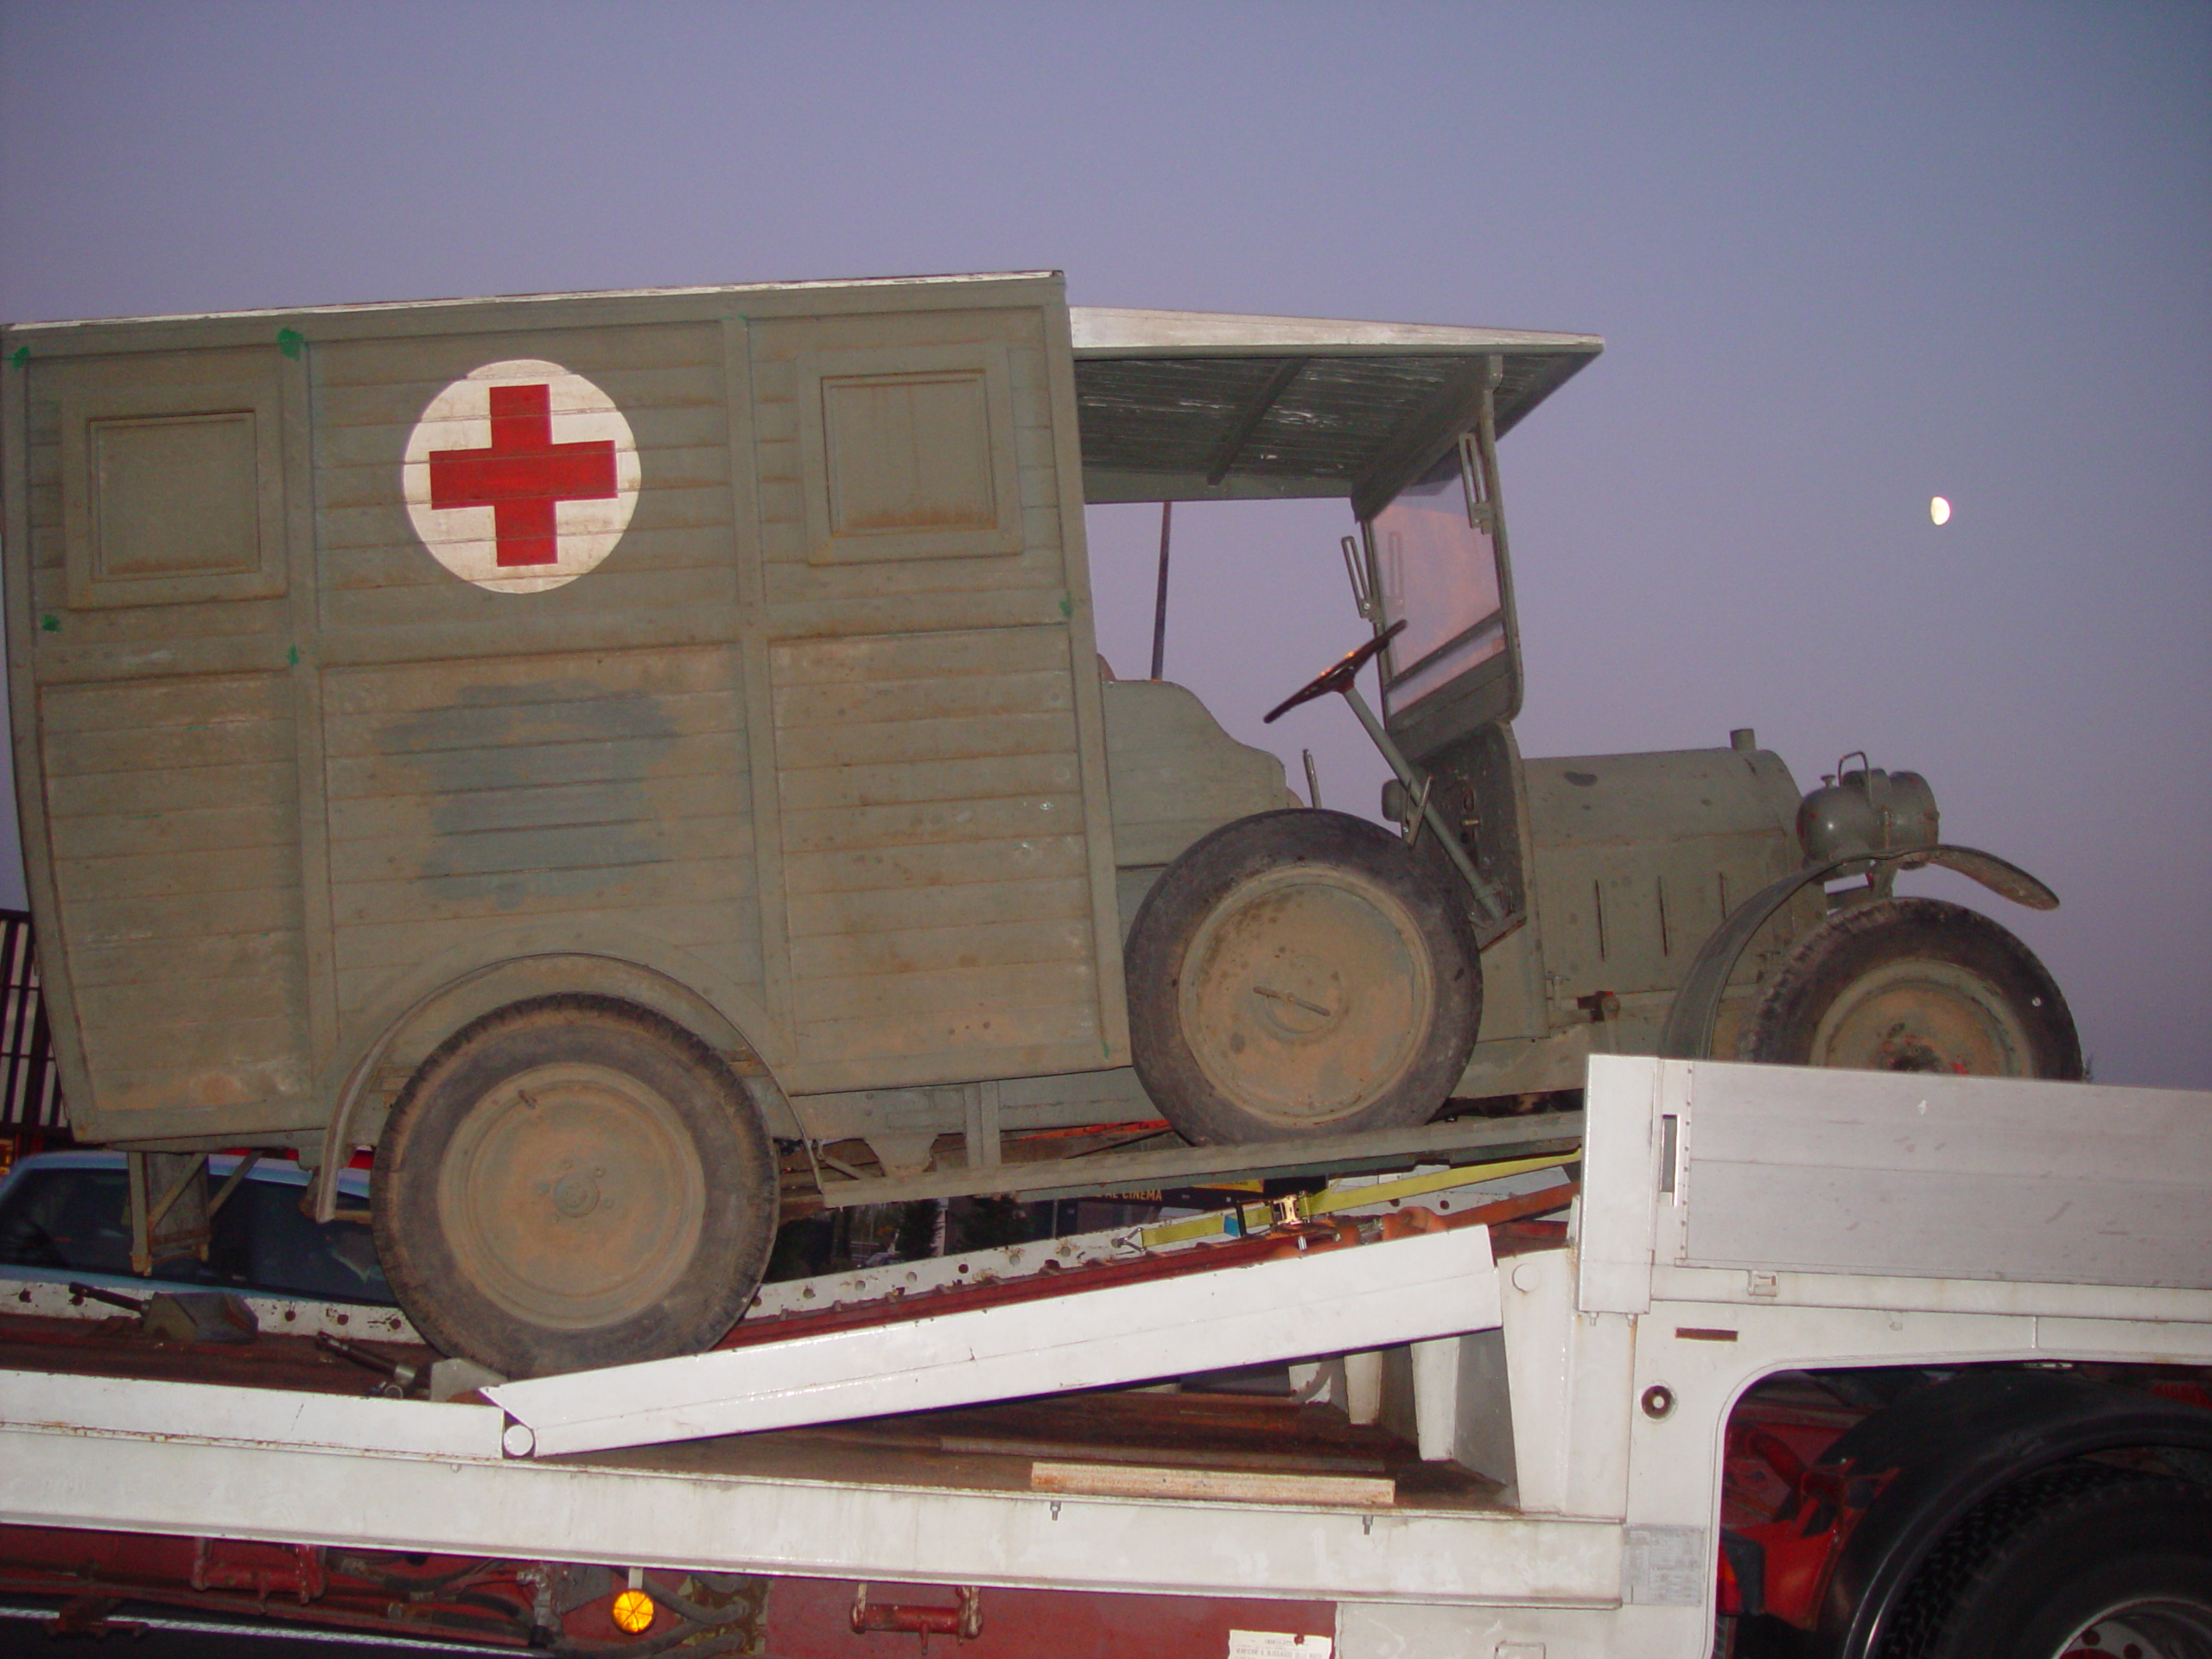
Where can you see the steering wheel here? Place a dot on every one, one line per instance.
(1339, 675)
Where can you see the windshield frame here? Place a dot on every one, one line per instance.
(1488, 690)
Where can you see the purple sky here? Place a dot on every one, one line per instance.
(1845, 257)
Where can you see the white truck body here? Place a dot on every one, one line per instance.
(1735, 1222)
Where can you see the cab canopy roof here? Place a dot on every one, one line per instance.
(1199, 406)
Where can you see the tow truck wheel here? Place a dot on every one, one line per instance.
(2083, 1561)
(1915, 985)
(573, 1182)
(1297, 974)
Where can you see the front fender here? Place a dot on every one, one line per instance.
(1687, 1034)
(446, 993)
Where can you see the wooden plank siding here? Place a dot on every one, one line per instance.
(165, 800)
(586, 787)
(842, 774)
(915, 913)
(193, 988)
(944, 832)
(675, 556)
(482, 794)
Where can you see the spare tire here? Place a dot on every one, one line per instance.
(1297, 974)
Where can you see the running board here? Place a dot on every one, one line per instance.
(1296, 1306)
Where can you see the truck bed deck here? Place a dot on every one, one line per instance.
(1275, 1444)
(1559, 1482)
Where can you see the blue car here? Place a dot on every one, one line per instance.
(66, 1217)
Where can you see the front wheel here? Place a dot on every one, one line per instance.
(1915, 985)
(573, 1182)
(1297, 974)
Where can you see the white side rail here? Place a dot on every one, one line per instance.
(2077, 1190)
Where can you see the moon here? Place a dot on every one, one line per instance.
(1939, 510)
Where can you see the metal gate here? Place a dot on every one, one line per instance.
(31, 1093)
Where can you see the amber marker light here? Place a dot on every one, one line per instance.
(634, 1610)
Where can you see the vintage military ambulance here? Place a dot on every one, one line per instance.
(571, 744)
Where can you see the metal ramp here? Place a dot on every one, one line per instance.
(1368, 1264)
(1305, 1301)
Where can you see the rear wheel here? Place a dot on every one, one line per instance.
(573, 1182)
(2086, 1562)
(1915, 985)
(1297, 974)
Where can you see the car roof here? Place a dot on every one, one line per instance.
(278, 1171)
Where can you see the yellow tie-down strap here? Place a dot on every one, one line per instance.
(1305, 1206)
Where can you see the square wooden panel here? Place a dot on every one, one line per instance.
(909, 454)
(172, 495)
(173, 809)
(937, 861)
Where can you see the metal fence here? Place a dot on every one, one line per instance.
(30, 1094)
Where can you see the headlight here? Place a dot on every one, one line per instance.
(1868, 810)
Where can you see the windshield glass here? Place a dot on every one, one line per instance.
(1439, 574)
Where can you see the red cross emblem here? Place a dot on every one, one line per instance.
(502, 502)
(523, 473)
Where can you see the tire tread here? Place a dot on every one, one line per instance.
(1952, 1590)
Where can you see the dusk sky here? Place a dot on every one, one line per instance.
(1845, 257)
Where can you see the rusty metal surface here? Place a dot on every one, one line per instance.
(1306, 993)
(1692, 1017)
(282, 1315)
(122, 1346)
(1924, 1015)
(574, 1193)
(963, 1620)
(810, 1619)
(270, 1588)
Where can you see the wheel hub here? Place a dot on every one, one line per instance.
(1302, 998)
(577, 1196)
(2143, 1629)
(1306, 995)
(1902, 1050)
(571, 1197)
(1924, 1015)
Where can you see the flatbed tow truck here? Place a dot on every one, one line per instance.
(1769, 1360)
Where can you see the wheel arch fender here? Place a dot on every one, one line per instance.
(1939, 1453)
(1687, 1034)
(417, 1015)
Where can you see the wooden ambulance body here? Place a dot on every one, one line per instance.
(812, 759)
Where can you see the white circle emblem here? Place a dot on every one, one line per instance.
(521, 477)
